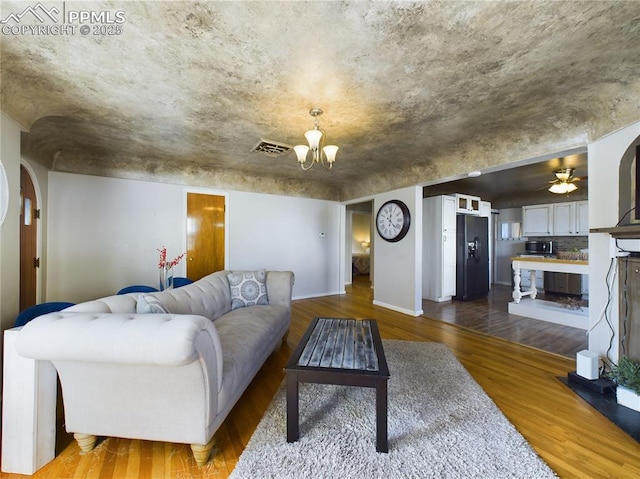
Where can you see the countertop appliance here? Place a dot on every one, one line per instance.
(540, 247)
(472, 257)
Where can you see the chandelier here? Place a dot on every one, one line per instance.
(564, 182)
(315, 138)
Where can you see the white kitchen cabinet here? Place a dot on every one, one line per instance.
(556, 219)
(571, 218)
(448, 247)
(564, 219)
(537, 220)
(439, 248)
(467, 204)
(485, 209)
(582, 218)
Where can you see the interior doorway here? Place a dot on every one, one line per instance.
(359, 242)
(205, 234)
(29, 260)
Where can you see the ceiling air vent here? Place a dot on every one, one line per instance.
(271, 148)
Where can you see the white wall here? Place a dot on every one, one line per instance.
(10, 229)
(505, 249)
(398, 266)
(283, 233)
(104, 232)
(103, 235)
(604, 161)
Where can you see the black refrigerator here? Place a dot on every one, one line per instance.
(472, 257)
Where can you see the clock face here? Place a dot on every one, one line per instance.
(393, 220)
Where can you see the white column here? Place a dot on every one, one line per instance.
(28, 410)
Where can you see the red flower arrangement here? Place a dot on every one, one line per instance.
(163, 263)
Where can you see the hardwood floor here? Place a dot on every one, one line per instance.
(571, 436)
(491, 316)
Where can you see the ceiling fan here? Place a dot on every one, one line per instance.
(564, 182)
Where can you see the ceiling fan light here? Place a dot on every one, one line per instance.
(562, 188)
(556, 188)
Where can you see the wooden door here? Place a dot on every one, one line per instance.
(205, 234)
(29, 213)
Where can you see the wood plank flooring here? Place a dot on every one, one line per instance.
(491, 316)
(573, 438)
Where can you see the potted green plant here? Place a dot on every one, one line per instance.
(626, 374)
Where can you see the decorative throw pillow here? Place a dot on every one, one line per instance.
(148, 304)
(248, 288)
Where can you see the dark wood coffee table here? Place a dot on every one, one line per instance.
(344, 352)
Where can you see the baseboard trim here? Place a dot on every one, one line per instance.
(398, 309)
(319, 295)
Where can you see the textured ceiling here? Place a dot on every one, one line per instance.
(412, 91)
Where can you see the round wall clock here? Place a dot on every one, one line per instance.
(393, 221)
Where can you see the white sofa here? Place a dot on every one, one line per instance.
(170, 376)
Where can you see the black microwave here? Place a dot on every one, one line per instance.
(539, 247)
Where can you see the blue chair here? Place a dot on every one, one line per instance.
(38, 310)
(137, 288)
(180, 281)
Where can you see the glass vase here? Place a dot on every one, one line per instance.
(166, 278)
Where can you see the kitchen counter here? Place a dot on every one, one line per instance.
(550, 264)
(546, 310)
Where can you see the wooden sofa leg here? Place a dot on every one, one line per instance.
(284, 338)
(201, 453)
(86, 441)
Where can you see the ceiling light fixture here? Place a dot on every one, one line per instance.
(564, 182)
(562, 188)
(315, 138)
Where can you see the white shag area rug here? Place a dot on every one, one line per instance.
(441, 425)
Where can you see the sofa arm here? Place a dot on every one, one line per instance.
(121, 303)
(155, 339)
(280, 287)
